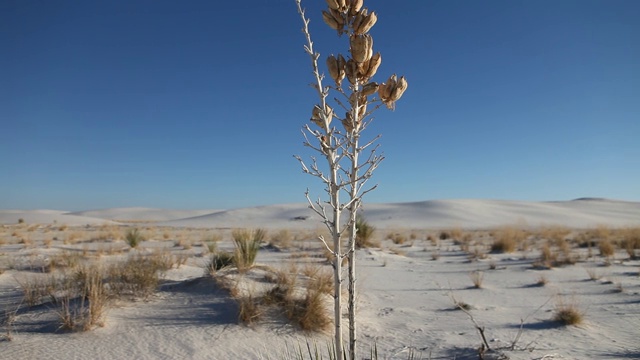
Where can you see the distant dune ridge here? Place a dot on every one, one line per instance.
(463, 213)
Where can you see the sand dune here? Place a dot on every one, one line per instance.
(469, 214)
(142, 214)
(433, 214)
(47, 217)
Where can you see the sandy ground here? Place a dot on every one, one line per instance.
(408, 283)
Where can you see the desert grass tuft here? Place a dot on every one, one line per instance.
(247, 244)
(477, 277)
(567, 312)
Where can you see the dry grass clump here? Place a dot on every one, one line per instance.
(541, 281)
(302, 299)
(593, 274)
(138, 276)
(607, 249)
(507, 239)
(283, 239)
(63, 260)
(568, 312)
(397, 238)
(82, 299)
(477, 277)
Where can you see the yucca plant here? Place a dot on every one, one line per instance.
(341, 145)
(247, 246)
(134, 237)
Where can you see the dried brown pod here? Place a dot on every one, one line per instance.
(356, 5)
(348, 123)
(317, 115)
(358, 97)
(334, 70)
(358, 18)
(333, 4)
(369, 68)
(337, 16)
(362, 109)
(370, 88)
(361, 47)
(401, 86)
(366, 24)
(329, 20)
(351, 70)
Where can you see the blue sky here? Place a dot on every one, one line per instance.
(199, 104)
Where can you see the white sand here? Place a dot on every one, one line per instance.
(405, 300)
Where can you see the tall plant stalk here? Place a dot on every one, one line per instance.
(341, 148)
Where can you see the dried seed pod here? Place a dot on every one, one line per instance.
(358, 18)
(357, 98)
(334, 70)
(369, 68)
(351, 70)
(366, 24)
(324, 142)
(348, 123)
(356, 5)
(361, 47)
(384, 91)
(362, 109)
(369, 88)
(329, 20)
(318, 116)
(334, 4)
(337, 16)
(401, 86)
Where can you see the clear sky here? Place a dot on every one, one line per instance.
(199, 104)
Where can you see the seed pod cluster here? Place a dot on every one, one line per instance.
(392, 90)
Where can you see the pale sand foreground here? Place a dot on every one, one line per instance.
(406, 289)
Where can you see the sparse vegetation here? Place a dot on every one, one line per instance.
(477, 277)
(247, 245)
(364, 234)
(567, 313)
(134, 237)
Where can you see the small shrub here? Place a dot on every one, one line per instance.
(218, 261)
(364, 233)
(281, 239)
(247, 245)
(138, 276)
(567, 313)
(541, 281)
(21, 221)
(593, 274)
(606, 248)
(249, 310)
(506, 240)
(311, 313)
(134, 237)
(477, 277)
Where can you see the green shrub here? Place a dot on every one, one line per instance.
(134, 237)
